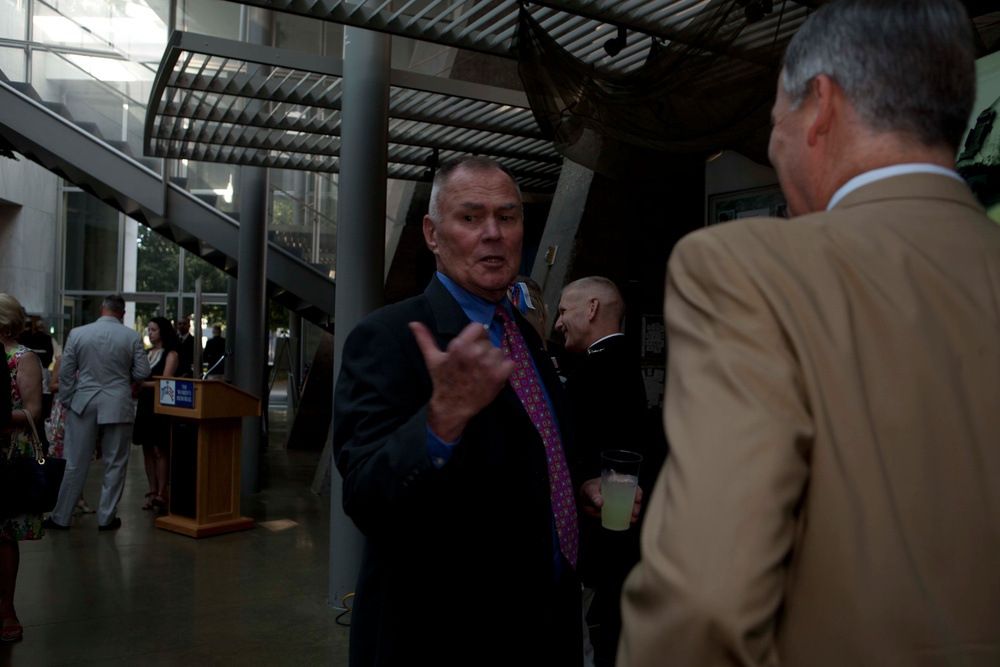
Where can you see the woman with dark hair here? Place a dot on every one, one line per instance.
(25, 388)
(152, 431)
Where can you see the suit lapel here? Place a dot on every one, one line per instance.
(448, 317)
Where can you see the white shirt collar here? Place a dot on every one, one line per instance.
(591, 348)
(887, 172)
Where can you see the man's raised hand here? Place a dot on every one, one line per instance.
(467, 376)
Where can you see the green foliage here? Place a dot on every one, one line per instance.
(277, 316)
(213, 279)
(156, 262)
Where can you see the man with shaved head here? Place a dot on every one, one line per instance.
(608, 397)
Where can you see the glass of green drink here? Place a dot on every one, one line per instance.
(619, 478)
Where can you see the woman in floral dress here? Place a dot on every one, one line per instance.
(25, 393)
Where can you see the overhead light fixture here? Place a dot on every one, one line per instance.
(615, 45)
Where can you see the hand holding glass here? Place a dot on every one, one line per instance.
(619, 478)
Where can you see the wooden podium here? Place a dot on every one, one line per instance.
(205, 444)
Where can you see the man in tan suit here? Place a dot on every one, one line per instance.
(833, 402)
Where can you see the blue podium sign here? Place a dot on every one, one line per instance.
(179, 393)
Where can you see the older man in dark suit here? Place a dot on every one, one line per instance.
(464, 497)
(831, 494)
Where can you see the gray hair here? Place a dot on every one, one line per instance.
(907, 66)
(114, 303)
(472, 163)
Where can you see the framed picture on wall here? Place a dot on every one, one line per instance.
(754, 202)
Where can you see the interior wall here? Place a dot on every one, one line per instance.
(29, 229)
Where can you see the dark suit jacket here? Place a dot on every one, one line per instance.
(459, 561)
(185, 357)
(608, 399)
(215, 349)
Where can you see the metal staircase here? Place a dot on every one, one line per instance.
(47, 134)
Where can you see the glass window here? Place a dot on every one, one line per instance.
(156, 262)
(13, 19)
(79, 310)
(12, 63)
(213, 279)
(133, 29)
(107, 92)
(91, 243)
(216, 183)
(299, 33)
(210, 17)
(63, 24)
(303, 215)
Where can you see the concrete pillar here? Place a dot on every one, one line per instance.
(364, 133)
(560, 231)
(250, 352)
(231, 291)
(294, 363)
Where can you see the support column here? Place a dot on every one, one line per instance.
(250, 358)
(250, 353)
(364, 132)
(560, 232)
(231, 290)
(294, 363)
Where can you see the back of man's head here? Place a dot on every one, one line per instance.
(114, 305)
(907, 66)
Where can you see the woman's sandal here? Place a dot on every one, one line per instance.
(12, 632)
(150, 501)
(159, 502)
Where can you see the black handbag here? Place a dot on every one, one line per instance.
(29, 484)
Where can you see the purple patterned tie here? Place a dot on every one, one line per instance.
(528, 388)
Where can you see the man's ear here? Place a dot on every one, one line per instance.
(593, 305)
(430, 234)
(826, 97)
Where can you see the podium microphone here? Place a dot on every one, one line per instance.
(221, 359)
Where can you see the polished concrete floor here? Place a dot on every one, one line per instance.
(147, 597)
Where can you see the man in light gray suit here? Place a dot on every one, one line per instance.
(99, 364)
